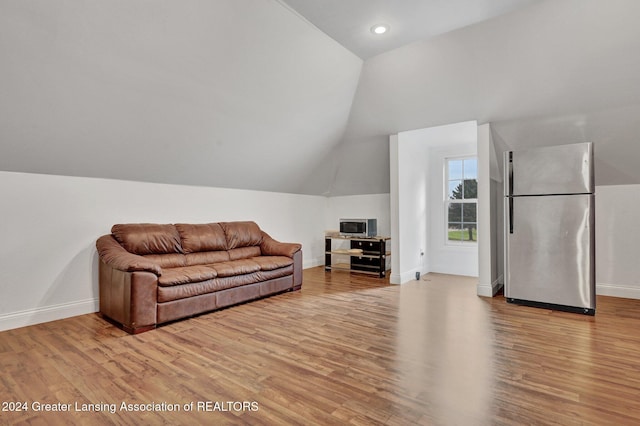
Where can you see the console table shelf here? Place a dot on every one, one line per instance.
(368, 255)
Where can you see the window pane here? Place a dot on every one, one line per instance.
(455, 232)
(461, 186)
(469, 232)
(455, 212)
(470, 188)
(455, 169)
(471, 168)
(455, 190)
(468, 212)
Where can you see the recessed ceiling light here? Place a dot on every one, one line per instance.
(379, 29)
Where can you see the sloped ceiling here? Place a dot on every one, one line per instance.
(246, 94)
(224, 93)
(349, 21)
(558, 71)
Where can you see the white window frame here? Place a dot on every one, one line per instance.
(447, 201)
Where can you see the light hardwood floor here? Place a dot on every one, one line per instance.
(346, 349)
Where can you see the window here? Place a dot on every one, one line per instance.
(461, 189)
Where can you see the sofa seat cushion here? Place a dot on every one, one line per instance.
(236, 267)
(181, 291)
(244, 252)
(171, 260)
(186, 274)
(269, 263)
(206, 257)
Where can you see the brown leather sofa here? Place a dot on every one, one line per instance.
(152, 274)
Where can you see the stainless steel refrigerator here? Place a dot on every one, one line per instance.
(549, 246)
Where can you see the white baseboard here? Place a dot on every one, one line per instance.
(47, 313)
(616, 290)
(490, 290)
(403, 277)
(312, 263)
(485, 290)
(81, 307)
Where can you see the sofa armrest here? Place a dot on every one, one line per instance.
(271, 247)
(128, 299)
(297, 270)
(115, 256)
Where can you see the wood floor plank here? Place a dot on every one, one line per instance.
(346, 349)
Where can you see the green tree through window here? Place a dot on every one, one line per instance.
(462, 195)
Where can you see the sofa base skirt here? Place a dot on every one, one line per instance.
(130, 330)
(184, 308)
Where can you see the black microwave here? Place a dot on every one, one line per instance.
(359, 227)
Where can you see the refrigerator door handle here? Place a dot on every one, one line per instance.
(510, 185)
(510, 173)
(511, 215)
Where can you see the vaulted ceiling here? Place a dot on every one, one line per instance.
(349, 22)
(223, 93)
(252, 94)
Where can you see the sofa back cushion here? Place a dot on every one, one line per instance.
(201, 237)
(241, 234)
(147, 238)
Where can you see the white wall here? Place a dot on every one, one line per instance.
(394, 207)
(371, 206)
(409, 179)
(417, 159)
(49, 225)
(617, 237)
(488, 240)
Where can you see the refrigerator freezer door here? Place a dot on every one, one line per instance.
(550, 254)
(562, 169)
